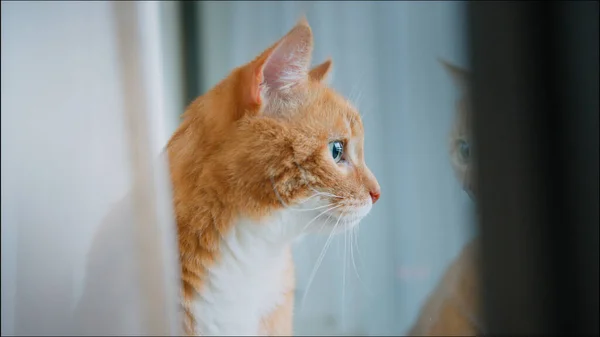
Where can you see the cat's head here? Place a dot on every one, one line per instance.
(461, 139)
(274, 137)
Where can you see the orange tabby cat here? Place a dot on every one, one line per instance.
(268, 154)
(452, 309)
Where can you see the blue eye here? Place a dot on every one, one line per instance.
(465, 150)
(336, 148)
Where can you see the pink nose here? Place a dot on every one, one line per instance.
(375, 196)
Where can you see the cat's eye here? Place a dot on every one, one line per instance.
(336, 148)
(464, 150)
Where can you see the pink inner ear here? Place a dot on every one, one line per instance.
(288, 64)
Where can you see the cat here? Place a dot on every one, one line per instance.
(268, 154)
(453, 308)
(461, 135)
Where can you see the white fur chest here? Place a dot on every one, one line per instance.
(247, 282)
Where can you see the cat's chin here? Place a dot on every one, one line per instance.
(321, 216)
(340, 221)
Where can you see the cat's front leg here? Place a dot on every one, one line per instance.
(238, 328)
(226, 320)
(280, 321)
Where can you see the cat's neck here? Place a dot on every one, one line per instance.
(247, 280)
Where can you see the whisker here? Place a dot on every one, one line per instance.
(353, 234)
(325, 211)
(307, 199)
(309, 209)
(356, 229)
(326, 193)
(317, 193)
(356, 242)
(325, 222)
(344, 276)
(333, 196)
(319, 261)
(352, 252)
(356, 89)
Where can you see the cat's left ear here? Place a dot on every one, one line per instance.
(461, 77)
(283, 66)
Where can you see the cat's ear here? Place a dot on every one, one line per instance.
(284, 65)
(320, 72)
(460, 76)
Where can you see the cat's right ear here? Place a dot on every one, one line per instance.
(319, 73)
(461, 77)
(282, 67)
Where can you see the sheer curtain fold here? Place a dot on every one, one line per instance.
(87, 233)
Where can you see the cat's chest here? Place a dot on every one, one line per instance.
(244, 286)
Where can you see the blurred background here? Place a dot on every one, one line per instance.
(92, 91)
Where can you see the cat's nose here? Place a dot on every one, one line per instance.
(375, 195)
(371, 185)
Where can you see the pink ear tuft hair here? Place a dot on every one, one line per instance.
(287, 65)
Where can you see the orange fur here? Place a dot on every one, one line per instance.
(453, 309)
(252, 145)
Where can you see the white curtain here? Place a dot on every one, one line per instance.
(88, 101)
(385, 59)
(91, 91)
